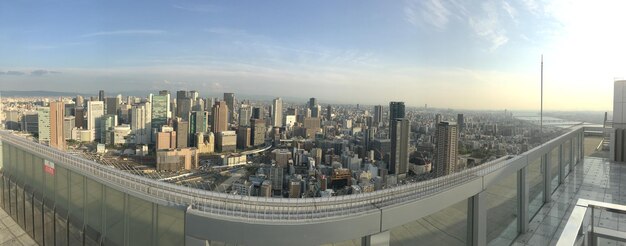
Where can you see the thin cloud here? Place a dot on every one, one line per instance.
(433, 12)
(16, 73)
(124, 32)
(41, 72)
(487, 26)
(205, 8)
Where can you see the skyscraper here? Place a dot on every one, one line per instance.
(57, 114)
(245, 113)
(460, 121)
(396, 110)
(329, 112)
(438, 118)
(184, 108)
(112, 104)
(314, 107)
(399, 157)
(160, 110)
(277, 112)
(182, 133)
(220, 117)
(378, 115)
(446, 148)
(229, 98)
(95, 110)
(101, 95)
(141, 126)
(43, 117)
(257, 132)
(258, 113)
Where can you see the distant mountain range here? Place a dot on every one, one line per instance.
(38, 94)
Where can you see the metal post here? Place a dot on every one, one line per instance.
(562, 171)
(477, 220)
(522, 200)
(571, 153)
(581, 146)
(547, 179)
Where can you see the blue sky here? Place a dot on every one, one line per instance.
(448, 53)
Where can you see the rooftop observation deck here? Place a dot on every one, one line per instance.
(521, 200)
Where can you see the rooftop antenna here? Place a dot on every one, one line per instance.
(541, 112)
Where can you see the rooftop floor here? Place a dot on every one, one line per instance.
(11, 233)
(596, 179)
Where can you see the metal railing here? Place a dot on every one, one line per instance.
(285, 210)
(576, 232)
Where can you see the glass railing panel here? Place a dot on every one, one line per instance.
(171, 226)
(139, 221)
(446, 227)
(553, 158)
(502, 211)
(353, 242)
(536, 186)
(115, 221)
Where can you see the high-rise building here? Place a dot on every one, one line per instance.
(160, 110)
(112, 105)
(182, 133)
(277, 112)
(101, 95)
(460, 121)
(243, 137)
(57, 114)
(30, 122)
(43, 116)
(245, 113)
(220, 117)
(229, 98)
(315, 108)
(194, 95)
(258, 113)
(198, 122)
(108, 122)
(438, 118)
(184, 106)
(79, 118)
(95, 110)
(257, 132)
(68, 125)
(329, 112)
(396, 111)
(141, 125)
(446, 148)
(226, 141)
(378, 115)
(399, 157)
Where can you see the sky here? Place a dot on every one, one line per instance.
(444, 53)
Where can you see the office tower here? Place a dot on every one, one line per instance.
(198, 105)
(312, 102)
(111, 105)
(399, 157)
(160, 110)
(314, 107)
(166, 139)
(277, 112)
(220, 117)
(198, 122)
(57, 114)
(460, 122)
(181, 94)
(108, 122)
(95, 110)
(208, 103)
(311, 127)
(141, 125)
(226, 141)
(229, 98)
(194, 95)
(79, 102)
(68, 109)
(184, 108)
(68, 125)
(182, 133)
(396, 110)
(30, 122)
(378, 115)
(438, 118)
(243, 137)
(245, 113)
(257, 132)
(79, 117)
(446, 148)
(101, 95)
(43, 117)
(329, 112)
(258, 113)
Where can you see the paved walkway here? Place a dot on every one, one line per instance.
(11, 233)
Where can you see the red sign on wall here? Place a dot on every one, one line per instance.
(48, 167)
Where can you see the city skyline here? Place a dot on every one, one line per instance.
(442, 53)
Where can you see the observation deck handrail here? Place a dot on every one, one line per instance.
(285, 210)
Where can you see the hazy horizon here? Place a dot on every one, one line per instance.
(447, 54)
